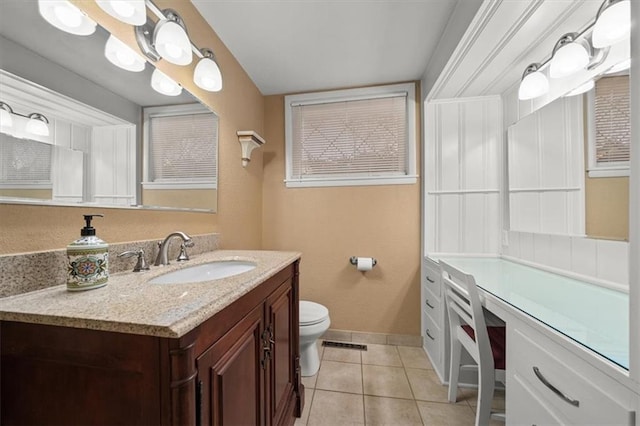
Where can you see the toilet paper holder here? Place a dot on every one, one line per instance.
(354, 260)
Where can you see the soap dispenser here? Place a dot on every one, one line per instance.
(88, 259)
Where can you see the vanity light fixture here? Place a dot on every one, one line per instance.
(36, 123)
(5, 115)
(534, 83)
(249, 140)
(569, 56)
(613, 23)
(122, 56)
(581, 89)
(66, 17)
(207, 74)
(162, 83)
(131, 12)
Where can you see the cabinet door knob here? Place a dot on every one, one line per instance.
(429, 334)
(429, 304)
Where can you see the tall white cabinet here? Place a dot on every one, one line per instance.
(461, 211)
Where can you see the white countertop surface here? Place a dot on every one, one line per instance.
(594, 316)
(129, 304)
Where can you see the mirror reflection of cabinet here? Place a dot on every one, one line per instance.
(550, 187)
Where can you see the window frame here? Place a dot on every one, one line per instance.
(355, 179)
(174, 110)
(595, 170)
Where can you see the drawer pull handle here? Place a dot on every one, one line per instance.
(429, 304)
(429, 334)
(555, 390)
(430, 280)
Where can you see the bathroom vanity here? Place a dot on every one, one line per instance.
(224, 351)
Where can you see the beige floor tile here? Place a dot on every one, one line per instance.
(340, 376)
(309, 382)
(308, 397)
(386, 381)
(443, 414)
(335, 408)
(426, 386)
(414, 357)
(390, 411)
(342, 355)
(381, 355)
(498, 403)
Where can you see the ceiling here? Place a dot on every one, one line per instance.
(305, 45)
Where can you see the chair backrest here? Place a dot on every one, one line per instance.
(464, 308)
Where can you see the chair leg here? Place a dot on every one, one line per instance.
(454, 369)
(486, 385)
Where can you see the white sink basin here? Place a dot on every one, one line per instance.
(205, 272)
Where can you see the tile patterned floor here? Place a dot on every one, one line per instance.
(385, 385)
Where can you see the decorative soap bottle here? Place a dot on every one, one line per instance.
(88, 259)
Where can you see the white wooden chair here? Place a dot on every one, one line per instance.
(468, 329)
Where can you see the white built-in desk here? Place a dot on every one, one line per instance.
(591, 315)
(567, 341)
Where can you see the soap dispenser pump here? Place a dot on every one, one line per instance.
(88, 259)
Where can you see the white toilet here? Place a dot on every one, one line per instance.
(314, 321)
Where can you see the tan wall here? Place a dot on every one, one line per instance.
(240, 107)
(187, 198)
(607, 207)
(329, 225)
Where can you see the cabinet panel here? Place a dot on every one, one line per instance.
(230, 375)
(431, 337)
(527, 408)
(281, 372)
(431, 273)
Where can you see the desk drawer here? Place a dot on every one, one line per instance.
(432, 304)
(431, 276)
(530, 408)
(579, 396)
(431, 337)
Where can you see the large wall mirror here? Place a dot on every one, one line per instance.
(113, 140)
(566, 162)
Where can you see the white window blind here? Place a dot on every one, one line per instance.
(612, 117)
(24, 161)
(183, 147)
(356, 138)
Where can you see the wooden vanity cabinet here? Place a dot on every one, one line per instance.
(241, 366)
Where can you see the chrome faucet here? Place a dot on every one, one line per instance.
(163, 248)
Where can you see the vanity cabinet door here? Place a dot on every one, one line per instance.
(280, 373)
(230, 376)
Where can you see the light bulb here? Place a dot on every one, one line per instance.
(172, 42)
(207, 75)
(568, 59)
(5, 118)
(37, 125)
(534, 83)
(162, 83)
(69, 15)
(66, 17)
(122, 55)
(613, 24)
(132, 12)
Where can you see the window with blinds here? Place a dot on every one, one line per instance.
(181, 144)
(611, 130)
(351, 137)
(24, 162)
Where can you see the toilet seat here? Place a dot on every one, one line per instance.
(312, 313)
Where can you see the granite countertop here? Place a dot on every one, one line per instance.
(129, 304)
